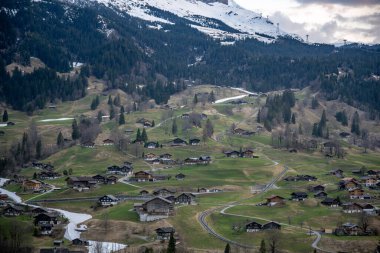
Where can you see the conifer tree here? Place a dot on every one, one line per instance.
(109, 100)
(262, 247)
(153, 123)
(355, 126)
(258, 116)
(227, 249)
(293, 118)
(314, 103)
(75, 130)
(171, 244)
(121, 119)
(174, 127)
(112, 112)
(138, 135)
(5, 116)
(144, 136)
(211, 97)
(100, 116)
(60, 140)
(195, 99)
(39, 149)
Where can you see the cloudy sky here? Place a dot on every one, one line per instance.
(328, 21)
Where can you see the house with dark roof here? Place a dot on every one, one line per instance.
(126, 169)
(80, 242)
(108, 200)
(298, 196)
(177, 142)
(154, 209)
(180, 176)
(316, 188)
(99, 179)
(320, 195)
(331, 202)
(352, 208)
(164, 233)
(143, 193)
(151, 144)
(108, 142)
(194, 142)
(253, 227)
(232, 153)
(271, 225)
(185, 198)
(13, 210)
(163, 192)
(275, 200)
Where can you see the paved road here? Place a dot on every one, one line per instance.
(95, 198)
(202, 216)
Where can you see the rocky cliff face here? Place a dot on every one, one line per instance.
(214, 1)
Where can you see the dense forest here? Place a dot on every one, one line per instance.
(123, 51)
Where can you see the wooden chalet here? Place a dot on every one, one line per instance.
(13, 210)
(316, 188)
(80, 242)
(331, 202)
(158, 206)
(336, 172)
(51, 218)
(253, 227)
(177, 142)
(298, 196)
(348, 229)
(164, 233)
(232, 154)
(191, 161)
(320, 195)
(99, 179)
(143, 176)
(108, 200)
(150, 157)
(32, 185)
(352, 208)
(163, 192)
(180, 176)
(144, 193)
(275, 200)
(111, 180)
(48, 175)
(166, 156)
(88, 144)
(358, 194)
(204, 160)
(271, 225)
(81, 182)
(108, 142)
(194, 142)
(185, 198)
(247, 153)
(126, 169)
(348, 184)
(151, 145)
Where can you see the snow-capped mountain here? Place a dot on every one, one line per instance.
(220, 19)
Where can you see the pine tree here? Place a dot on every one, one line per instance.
(322, 125)
(259, 116)
(171, 244)
(121, 119)
(39, 149)
(153, 123)
(112, 112)
(174, 127)
(314, 103)
(100, 116)
(195, 99)
(293, 118)
(5, 116)
(60, 140)
(109, 100)
(355, 126)
(138, 135)
(75, 130)
(227, 249)
(287, 114)
(35, 175)
(122, 110)
(144, 136)
(262, 247)
(134, 106)
(211, 97)
(117, 100)
(315, 130)
(95, 103)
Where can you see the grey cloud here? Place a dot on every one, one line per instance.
(341, 2)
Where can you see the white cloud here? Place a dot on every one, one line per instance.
(325, 21)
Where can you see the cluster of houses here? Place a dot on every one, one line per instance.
(87, 183)
(300, 178)
(125, 170)
(167, 159)
(354, 187)
(29, 185)
(161, 205)
(47, 171)
(350, 229)
(177, 142)
(44, 219)
(248, 153)
(257, 227)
